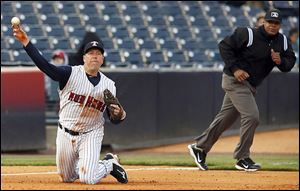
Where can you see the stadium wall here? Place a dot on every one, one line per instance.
(22, 109)
(163, 106)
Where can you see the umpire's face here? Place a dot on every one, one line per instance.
(93, 59)
(272, 27)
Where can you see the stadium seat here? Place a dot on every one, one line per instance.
(140, 32)
(191, 44)
(5, 55)
(242, 22)
(156, 21)
(199, 21)
(176, 57)
(35, 30)
(102, 31)
(6, 30)
(24, 8)
(126, 43)
(192, 9)
(76, 31)
(94, 20)
(168, 44)
(196, 57)
(51, 20)
(120, 32)
(214, 10)
(47, 54)
(42, 43)
(160, 32)
(56, 31)
(133, 57)
(151, 9)
(62, 43)
(171, 8)
(108, 43)
(4, 45)
(225, 31)
(110, 10)
(45, 8)
(235, 11)
(72, 20)
(134, 20)
(6, 8)
(21, 56)
(217, 56)
(146, 43)
(221, 21)
(178, 21)
(154, 57)
(114, 20)
(131, 10)
(14, 44)
(113, 57)
(31, 20)
(88, 9)
(181, 32)
(67, 7)
(5, 19)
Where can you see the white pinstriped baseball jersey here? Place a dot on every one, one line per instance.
(81, 104)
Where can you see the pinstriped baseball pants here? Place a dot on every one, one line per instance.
(77, 157)
(238, 101)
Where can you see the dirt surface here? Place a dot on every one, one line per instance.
(175, 178)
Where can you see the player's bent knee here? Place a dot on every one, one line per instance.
(65, 179)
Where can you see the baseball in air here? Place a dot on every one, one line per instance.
(15, 21)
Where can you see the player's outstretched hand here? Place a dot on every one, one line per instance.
(20, 35)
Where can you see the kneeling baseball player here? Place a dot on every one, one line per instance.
(84, 93)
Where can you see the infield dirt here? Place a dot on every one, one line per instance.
(175, 178)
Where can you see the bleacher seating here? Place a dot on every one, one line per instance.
(136, 34)
(151, 32)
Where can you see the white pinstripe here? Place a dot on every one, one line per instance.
(81, 110)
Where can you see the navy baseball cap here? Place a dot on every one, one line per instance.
(93, 44)
(273, 15)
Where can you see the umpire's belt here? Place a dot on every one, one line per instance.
(74, 133)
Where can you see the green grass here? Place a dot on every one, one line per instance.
(274, 162)
(27, 160)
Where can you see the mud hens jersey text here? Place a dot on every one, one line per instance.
(81, 103)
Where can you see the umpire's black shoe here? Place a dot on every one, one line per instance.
(247, 164)
(118, 171)
(199, 155)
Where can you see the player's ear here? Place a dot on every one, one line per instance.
(83, 58)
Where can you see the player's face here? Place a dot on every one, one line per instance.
(93, 59)
(272, 27)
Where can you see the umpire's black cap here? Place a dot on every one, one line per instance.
(273, 15)
(93, 44)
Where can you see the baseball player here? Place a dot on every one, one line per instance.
(249, 54)
(80, 128)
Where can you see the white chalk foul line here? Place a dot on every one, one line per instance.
(28, 173)
(131, 169)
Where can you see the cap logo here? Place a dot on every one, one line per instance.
(274, 14)
(94, 43)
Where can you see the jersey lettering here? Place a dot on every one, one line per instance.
(91, 102)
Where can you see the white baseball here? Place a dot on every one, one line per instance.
(15, 21)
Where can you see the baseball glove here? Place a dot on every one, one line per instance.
(109, 99)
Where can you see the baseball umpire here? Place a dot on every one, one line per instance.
(85, 92)
(249, 54)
